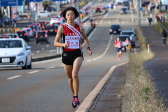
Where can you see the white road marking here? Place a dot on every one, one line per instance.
(88, 60)
(14, 77)
(47, 45)
(34, 71)
(32, 54)
(37, 51)
(42, 49)
(49, 68)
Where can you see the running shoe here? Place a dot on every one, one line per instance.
(118, 58)
(75, 102)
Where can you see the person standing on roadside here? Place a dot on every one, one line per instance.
(72, 56)
(150, 21)
(118, 45)
(164, 36)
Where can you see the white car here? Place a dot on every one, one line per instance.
(131, 33)
(13, 35)
(43, 14)
(54, 20)
(15, 53)
(30, 33)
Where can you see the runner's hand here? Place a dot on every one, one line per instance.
(66, 45)
(89, 52)
(80, 47)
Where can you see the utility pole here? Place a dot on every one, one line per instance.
(139, 14)
(78, 8)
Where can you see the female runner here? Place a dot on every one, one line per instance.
(72, 56)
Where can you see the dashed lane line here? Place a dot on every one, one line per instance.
(13, 77)
(33, 71)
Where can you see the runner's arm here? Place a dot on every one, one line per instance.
(84, 36)
(57, 38)
(85, 40)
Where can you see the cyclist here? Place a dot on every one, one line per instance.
(72, 56)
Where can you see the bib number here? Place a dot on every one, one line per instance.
(72, 41)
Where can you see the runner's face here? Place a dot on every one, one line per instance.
(70, 16)
(118, 39)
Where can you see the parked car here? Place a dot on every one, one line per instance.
(41, 36)
(15, 53)
(115, 29)
(23, 34)
(43, 14)
(30, 32)
(13, 35)
(52, 29)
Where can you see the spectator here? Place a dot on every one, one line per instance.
(164, 36)
(150, 21)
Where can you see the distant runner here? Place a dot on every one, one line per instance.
(118, 45)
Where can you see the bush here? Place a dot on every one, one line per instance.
(143, 93)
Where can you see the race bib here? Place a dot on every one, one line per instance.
(119, 45)
(72, 41)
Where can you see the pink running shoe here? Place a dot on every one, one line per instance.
(118, 58)
(75, 102)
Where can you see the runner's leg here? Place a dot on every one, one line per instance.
(76, 66)
(68, 70)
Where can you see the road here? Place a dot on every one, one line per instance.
(44, 88)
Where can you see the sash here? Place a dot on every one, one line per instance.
(73, 29)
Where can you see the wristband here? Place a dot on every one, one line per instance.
(88, 48)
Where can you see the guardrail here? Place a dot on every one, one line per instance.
(9, 30)
(163, 27)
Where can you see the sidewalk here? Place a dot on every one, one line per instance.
(110, 97)
(158, 66)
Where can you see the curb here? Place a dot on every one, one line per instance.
(88, 101)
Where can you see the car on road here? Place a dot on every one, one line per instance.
(124, 10)
(43, 14)
(98, 10)
(41, 36)
(15, 53)
(23, 34)
(30, 33)
(5, 36)
(130, 33)
(34, 28)
(54, 20)
(43, 24)
(115, 29)
(13, 35)
(52, 29)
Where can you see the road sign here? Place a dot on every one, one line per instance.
(11, 2)
(58, 0)
(34, 0)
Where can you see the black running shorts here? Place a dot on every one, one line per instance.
(68, 57)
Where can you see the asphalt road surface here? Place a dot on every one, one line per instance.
(44, 88)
